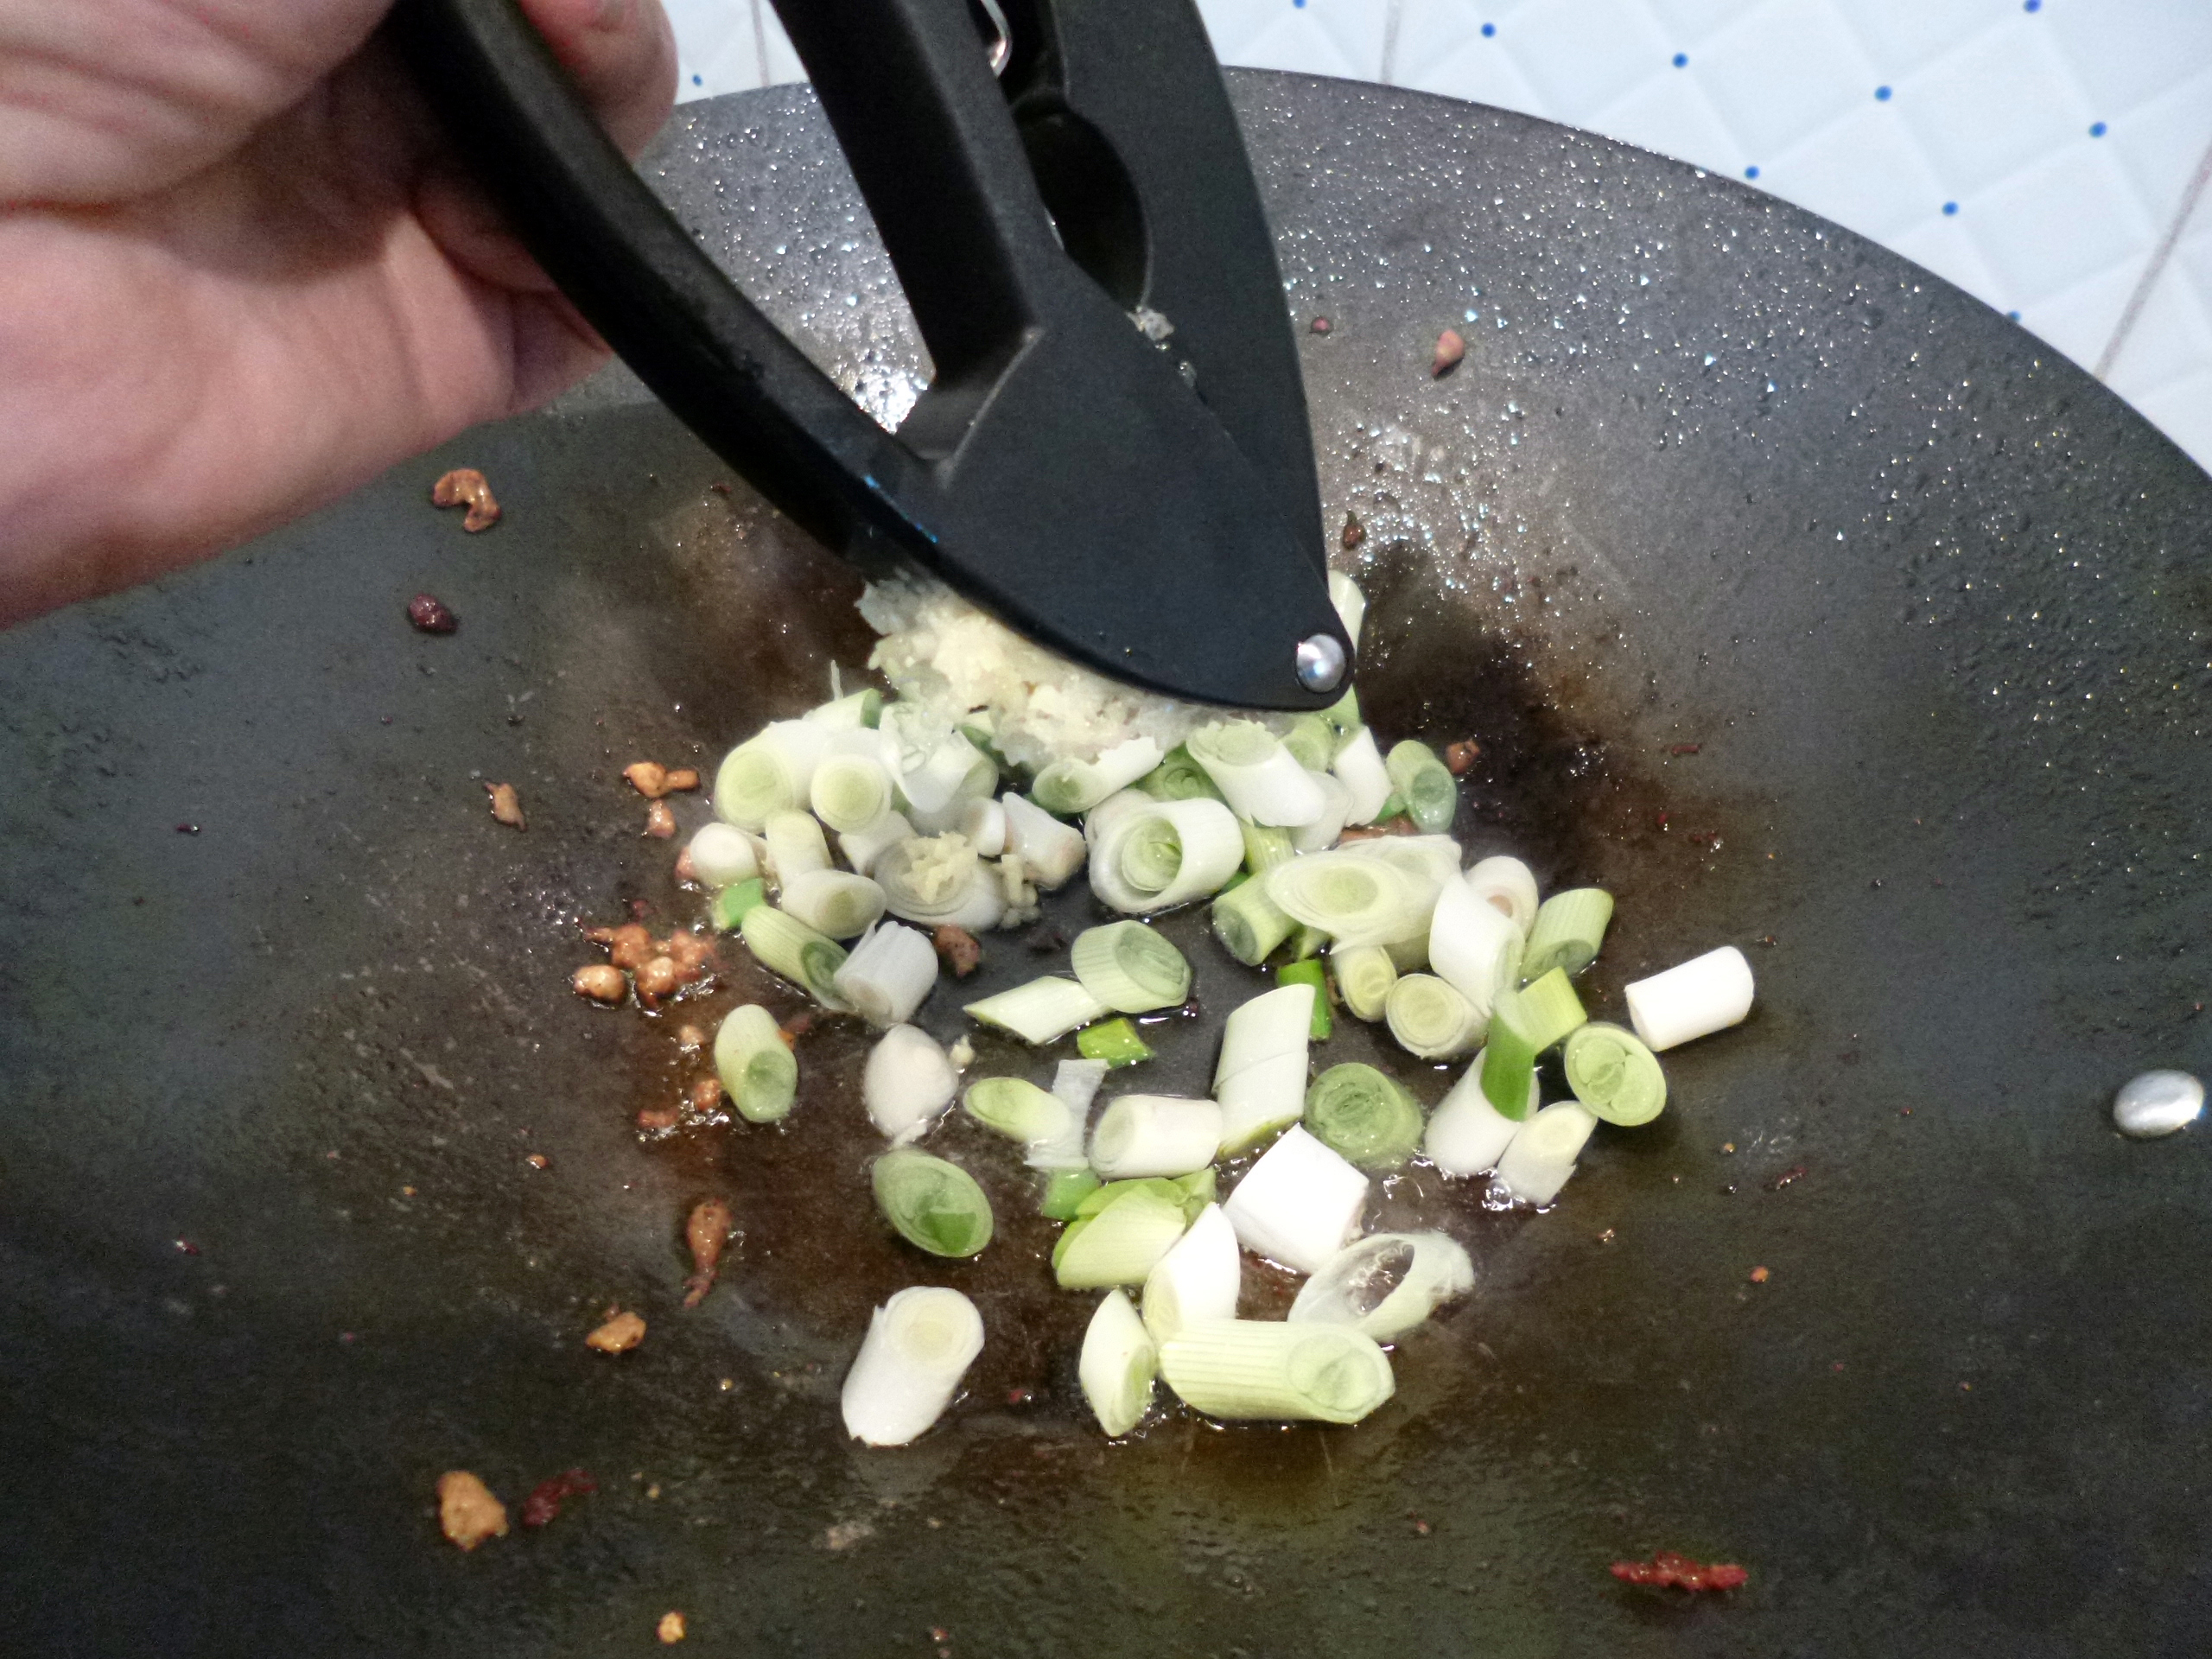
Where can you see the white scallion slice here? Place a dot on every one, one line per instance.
(849, 791)
(1299, 1203)
(1359, 768)
(1704, 994)
(1178, 777)
(788, 946)
(1507, 885)
(1129, 968)
(1069, 787)
(983, 821)
(1200, 1279)
(1020, 1111)
(849, 712)
(1364, 975)
(1614, 1075)
(1384, 1285)
(1077, 1082)
(796, 846)
(1041, 1012)
(1350, 603)
(1424, 783)
(1569, 929)
(918, 1346)
(939, 880)
(889, 974)
(1120, 1243)
(1149, 855)
(1474, 947)
(769, 774)
(1409, 955)
(1260, 1079)
(1336, 808)
(722, 856)
(1272, 1370)
(1313, 739)
(1364, 1116)
(835, 902)
(1430, 1019)
(759, 1072)
(1256, 774)
(907, 1082)
(1431, 862)
(1118, 1365)
(1249, 923)
(936, 1205)
(1466, 1134)
(934, 766)
(1050, 851)
(1353, 899)
(864, 847)
(1154, 1135)
(1542, 1153)
(1525, 1024)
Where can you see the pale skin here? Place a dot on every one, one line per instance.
(239, 273)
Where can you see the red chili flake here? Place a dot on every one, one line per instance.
(1321, 325)
(719, 487)
(545, 1498)
(430, 615)
(186, 1247)
(1421, 1526)
(1668, 1569)
(1020, 1396)
(939, 1633)
(1685, 748)
(187, 829)
(1766, 939)
(1760, 1275)
(538, 1161)
(1794, 1173)
(1662, 820)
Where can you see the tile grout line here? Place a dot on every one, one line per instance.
(2161, 257)
(1387, 70)
(760, 43)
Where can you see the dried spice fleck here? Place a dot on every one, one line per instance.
(430, 614)
(543, 1506)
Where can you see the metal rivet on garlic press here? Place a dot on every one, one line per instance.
(2158, 1102)
(1320, 663)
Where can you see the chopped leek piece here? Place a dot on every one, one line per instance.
(1466, 1134)
(1260, 1079)
(1114, 1191)
(1569, 928)
(1299, 1203)
(1115, 1041)
(1274, 1371)
(1149, 855)
(1700, 996)
(936, 1205)
(1199, 1191)
(849, 791)
(1367, 1117)
(1343, 714)
(1200, 1279)
(1336, 806)
(888, 975)
(1409, 955)
(1430, 792)
(1394, 806)
(864, 847)
(1474, 946)
(1018, 1109)
(1042, 1011)
(788, 946)
(722, 856)
(1178, 778)
(1068, 787)
(735, 902)
(1263, 781)
(1507, 885)
(1359, 768)
(1050, 851)
(1384, 1285)
(1525, 1024)
(1119, 1362)
(1119, 1245)
(1350, 603)
(1249, 923)
(1615, 1075)
(1430, 1019)
(918, 1346)
(853, 712)
(1063, 1191)
(1311, 741)
(982, 822)
(1077, 1082)
(833, 902)
(1364, 976)
(796, 846)
(939, 881)
(1129, 968)
(1354, 899)
(1542, 1153)
(769, 772)
(1156, 1134)
(907, 1082)
(759, 1072)
(1311, 973)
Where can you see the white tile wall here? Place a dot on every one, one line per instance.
(2049, 156)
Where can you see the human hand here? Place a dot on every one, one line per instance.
(240, 272)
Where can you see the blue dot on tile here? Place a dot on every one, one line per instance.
(2013, 314)
(1950, 207)
(696, 81)
(1750, 172)
(2097, 130)
(1489, 29)
(1883, 93)
(2031, 5)
(1681, 59)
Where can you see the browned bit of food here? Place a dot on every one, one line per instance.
(1460, 758)
(707, 1231)
(506, 805)
(544, 1503)
(1354, 532)
(627, 945)
(538, 1161)
(958, 950)
(671, 1628)
(601, 982)
(1684, 748)
(692, 954)
(653, 1119)
(660, 822)
(648, 778)
(1450, 348)
(657, 977)
(685, 871)
(468, 1513)
(705, 1096)
(430, 614)
(466, 486)
(681, 779)
(1400, 825)
(1760, 1275)
(689, 1036)
(797, 1026)
(619, 1333)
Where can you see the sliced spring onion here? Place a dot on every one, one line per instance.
(1154, 1135)
(1615, 1075)
(1542, 1154)
(1344, 713)
(1042, 1011)
(1430, 1019)
(1256, 774)
(1384, 1285)
(1114, 1191)
(1260, 1078)
(1115, 1041)
(1466, 1134)
(1350, 603)
(1050, 851)
(1129, 968)
(1299, 1203)
(1118, 1365)
(1311, 741)
(1430, 792)
(1018, 1109)
(796, 846)
(938, 879)
(936, 1205)
(835, 902)
(1704, 994)
(1409, 955)
(1525, 1024)
(769, 774)
(1336, 806)
(1178, 778)
(1364, 976)
(1359, 768)
(1064, 1191)
(1199, 1189)
(983, 821)
(1364, 1116)
(1431, 862)
(888, 975)
(849, 791)
(788, 946)
(1570, 927)
(1068, 787)
(734, 903)
(863, 847)
(1119, 1245)
(1272, 1370)
(1311, 973)
(935, 767)
(849, 712)
(1151, 855)
(907, 1082)
(759, 1072)
(1473, 946)
(918, 1346)
(1249, 923)
(1354, 900)
(1077, 1082)
(722, 856)
(1507, 885)
(1200, 1279)
(1266, 846)
(1394, 806)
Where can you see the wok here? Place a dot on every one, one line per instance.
(1932, 607)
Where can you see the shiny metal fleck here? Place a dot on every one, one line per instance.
(2158, 1102)
(1320, 663)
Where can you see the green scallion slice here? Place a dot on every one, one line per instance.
(1249, 923)
(733, 904)
(1118, 1363)
(1129, 968)
(1120, 1244)
(1042, 1011)
(1017, 1109)
(935, 1206)
(1069, 787)
(1344, 713)
(1065, 1191)
(1364, 976)
(1311, 739)
(1430, 1019)
(788, 946)
(1199, 1188)
(1614, 1075)
(1113, 1192)
(759, 1072)
(1570, 927)
(1310, 972)
(1177, 778)
(1522, 1025)
(1362, 1115)
(1275, 1370)
(1430, 792)
(1115, 1041)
